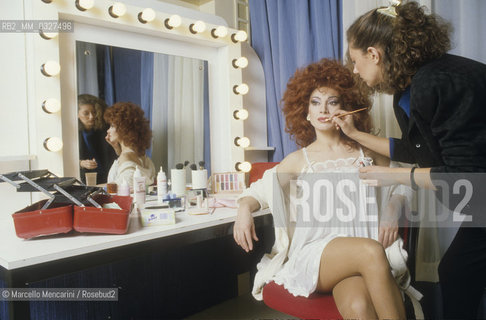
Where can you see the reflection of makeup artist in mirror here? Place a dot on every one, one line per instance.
(94, 153)
(129, 135)
(440, 105)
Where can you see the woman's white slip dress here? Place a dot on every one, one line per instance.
(299, 274)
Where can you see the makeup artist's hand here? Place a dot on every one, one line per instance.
(244, 229)
(88, 164)
(384, 176)
(345, 123)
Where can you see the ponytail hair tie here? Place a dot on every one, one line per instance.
(390, 10)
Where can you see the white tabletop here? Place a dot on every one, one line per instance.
(17, 253)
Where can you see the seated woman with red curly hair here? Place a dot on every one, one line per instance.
(309, 255)
(130, 135)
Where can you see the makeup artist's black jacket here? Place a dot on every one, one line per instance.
(446, 130)
(447, 125)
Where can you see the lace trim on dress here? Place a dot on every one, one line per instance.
(340, 163)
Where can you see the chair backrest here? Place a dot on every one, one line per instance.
(258, 169)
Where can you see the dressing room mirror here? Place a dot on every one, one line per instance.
(172, 91)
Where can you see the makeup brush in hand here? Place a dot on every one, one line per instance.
(345, 114)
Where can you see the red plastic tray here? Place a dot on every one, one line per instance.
(113, 221)
(32, 222)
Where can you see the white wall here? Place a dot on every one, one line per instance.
(227, 10)
(467, 18)
(14, 127)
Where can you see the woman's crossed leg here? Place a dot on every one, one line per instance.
(353, 299)
(357, 268)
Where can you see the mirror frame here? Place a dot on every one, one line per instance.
(218, 52)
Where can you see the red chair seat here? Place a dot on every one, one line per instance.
(258, 169)
(316, 306)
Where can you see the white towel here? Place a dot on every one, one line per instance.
(397, 257)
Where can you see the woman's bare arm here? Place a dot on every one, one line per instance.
(346, 124)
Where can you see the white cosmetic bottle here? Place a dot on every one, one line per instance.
(124, 189)
(139, 187)
(178, 177)
(161, 185)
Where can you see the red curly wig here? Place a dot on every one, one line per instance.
(131, 125)
(325, 73)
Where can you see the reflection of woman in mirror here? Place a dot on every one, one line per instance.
(129, 135)
(347, 261)
(94, 153)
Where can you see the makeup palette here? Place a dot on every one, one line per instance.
(228, 182)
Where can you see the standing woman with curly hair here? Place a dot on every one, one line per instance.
(312, 255)
(440, 105)
(130, 135)
(94, 153)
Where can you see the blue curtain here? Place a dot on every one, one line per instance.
(286, 35)
(127, 75)
(146, 87)
(146, 82)
(109, 89)
(207, 142)
(467, 18)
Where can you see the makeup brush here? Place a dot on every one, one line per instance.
(345, 114)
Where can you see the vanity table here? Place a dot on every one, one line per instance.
(137, 263)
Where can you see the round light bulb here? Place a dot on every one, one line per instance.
(241, 62)
(241, 114)
(117, 10)
(241, 89)
(219, 32)
(147, 15)
(48, 35)
(239, 36)
(50, 68)
(197, 27)
(173, 21)
(242, 142)
(84, 5)
(51, 105)
(244, 166)
(53, 144)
